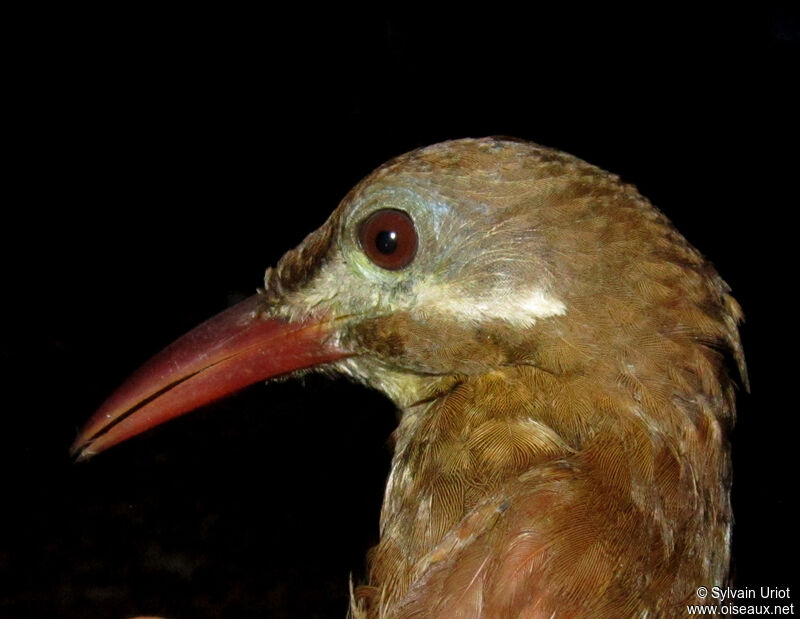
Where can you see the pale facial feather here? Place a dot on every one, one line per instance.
(518, 308)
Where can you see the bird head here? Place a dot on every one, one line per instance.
(556, 349)
(459, 259)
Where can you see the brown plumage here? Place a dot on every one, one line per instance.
(556, 349)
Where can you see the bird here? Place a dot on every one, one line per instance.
(565, 368)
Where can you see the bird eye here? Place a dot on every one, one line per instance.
(389, 238)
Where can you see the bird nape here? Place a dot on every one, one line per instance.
(556, 350)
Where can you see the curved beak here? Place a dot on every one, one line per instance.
(228, 352)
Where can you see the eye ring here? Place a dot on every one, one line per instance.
(389, 238)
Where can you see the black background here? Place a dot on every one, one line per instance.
(159, 162)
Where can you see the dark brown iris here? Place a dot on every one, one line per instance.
(389, 238)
